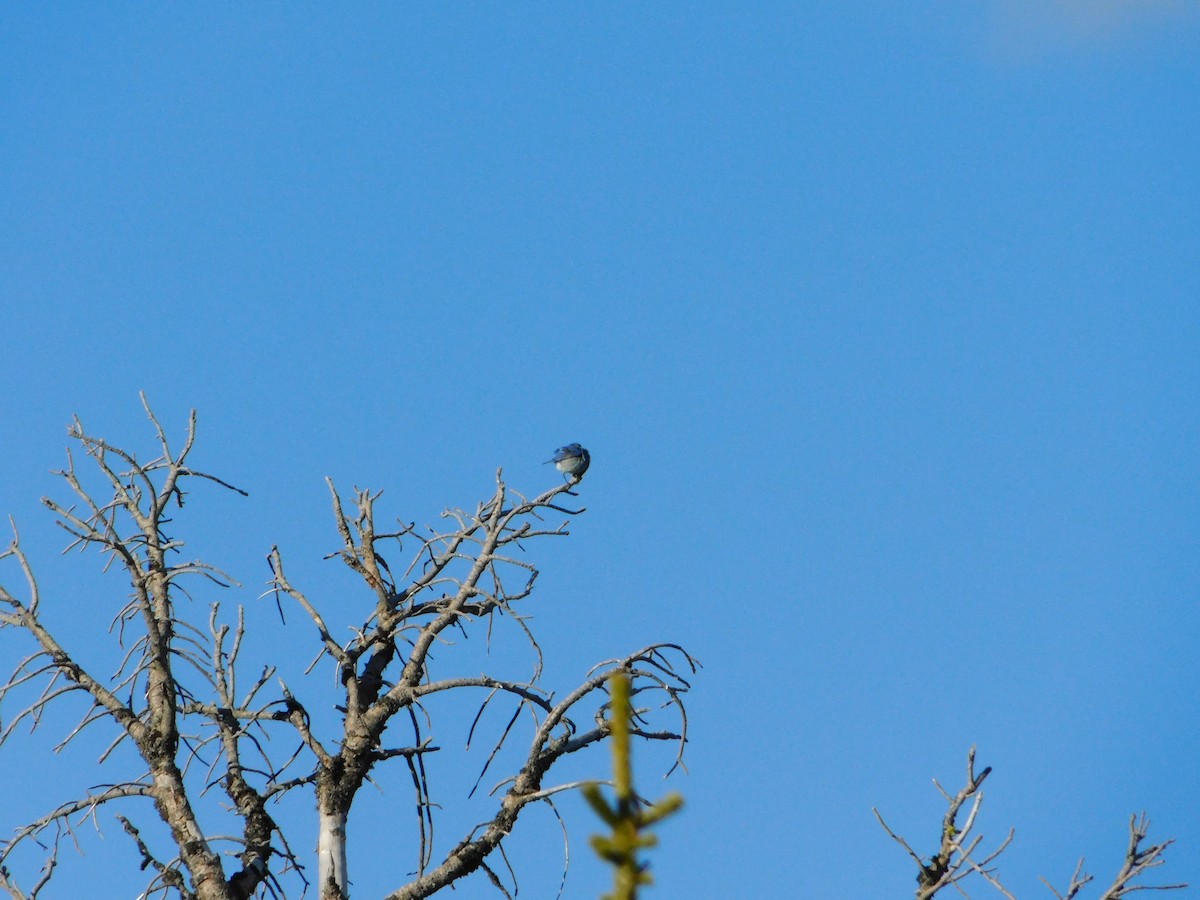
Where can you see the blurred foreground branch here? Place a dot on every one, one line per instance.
(630, 817)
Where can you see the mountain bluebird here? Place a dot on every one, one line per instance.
(572, 460)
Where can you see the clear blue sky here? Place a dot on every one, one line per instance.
(880, 320)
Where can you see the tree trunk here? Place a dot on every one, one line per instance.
(331, 852)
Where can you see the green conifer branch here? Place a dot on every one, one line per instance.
(627, 817)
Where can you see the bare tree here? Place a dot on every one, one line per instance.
(181, 699)
(957, 856)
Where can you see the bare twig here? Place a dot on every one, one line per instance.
(953, 862)
(1138, 860)
(955, 859)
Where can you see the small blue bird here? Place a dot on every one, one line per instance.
(572, 460)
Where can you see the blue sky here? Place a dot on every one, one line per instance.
(880, 321)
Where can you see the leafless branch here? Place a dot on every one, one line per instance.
(953, 862)
(955, 859)
(1138, 860)
(180, 697)
(130, 529)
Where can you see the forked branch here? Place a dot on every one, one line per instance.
(955, 859)
(1138, 861)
